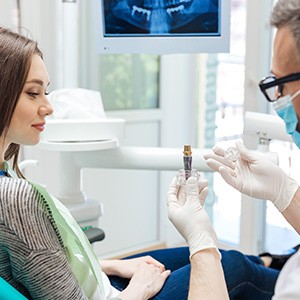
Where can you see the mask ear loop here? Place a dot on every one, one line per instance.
(295, 95)
(284, 101)
(291, 144)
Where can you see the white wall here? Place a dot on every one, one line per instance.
(9, 14)
(43, 20)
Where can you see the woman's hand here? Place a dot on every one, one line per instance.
(146, 281)
(126, 268)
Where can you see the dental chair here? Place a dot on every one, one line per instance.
(8, 292)
(94, 234)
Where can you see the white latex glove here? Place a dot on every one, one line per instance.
(254, 175)
(185, 209)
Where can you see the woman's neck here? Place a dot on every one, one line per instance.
(3, 148)
(1, 164)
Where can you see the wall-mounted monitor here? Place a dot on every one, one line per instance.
(162, 26)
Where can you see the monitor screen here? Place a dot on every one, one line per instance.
(162, 26)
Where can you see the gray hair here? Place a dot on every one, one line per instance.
(287, 13)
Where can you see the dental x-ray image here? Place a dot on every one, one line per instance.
(162, 17)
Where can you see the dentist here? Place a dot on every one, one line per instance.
(252, 175)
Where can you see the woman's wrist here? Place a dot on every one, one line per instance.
(109, 267)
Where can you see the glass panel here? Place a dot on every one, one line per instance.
(129, 81)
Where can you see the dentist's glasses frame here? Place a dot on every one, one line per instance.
(272, 87)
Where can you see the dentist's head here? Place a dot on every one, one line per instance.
(282, 88)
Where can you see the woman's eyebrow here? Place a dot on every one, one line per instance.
(37, 81)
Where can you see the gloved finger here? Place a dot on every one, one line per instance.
(247, 154)
(215, 164)
(212, 154)
(192, 190)
(202, 183)
(230, 178)
(181, 196)
(218, 150)
(192, 183)
(172, 210)
(203, 190)
(220, 159)
(172, 199)
(173, 187)
(232, 172)
(203, 194)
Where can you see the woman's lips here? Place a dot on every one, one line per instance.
(39, 127)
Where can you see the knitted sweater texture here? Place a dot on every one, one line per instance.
(32, 257)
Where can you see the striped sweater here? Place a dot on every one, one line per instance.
(32, 258)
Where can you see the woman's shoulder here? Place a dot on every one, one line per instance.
(18, 198)
(15, 189)
(12, 183)
(25, 214)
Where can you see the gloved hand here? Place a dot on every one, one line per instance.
(185, 209)
(254, 175)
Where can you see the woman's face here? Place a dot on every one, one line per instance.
(28, 119)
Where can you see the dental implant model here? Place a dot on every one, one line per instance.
(232, 154)
(187, 171)
(187, 160)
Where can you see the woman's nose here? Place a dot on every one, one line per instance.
(49, 110)
(46, 108)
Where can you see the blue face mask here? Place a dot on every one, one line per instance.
(285, 110)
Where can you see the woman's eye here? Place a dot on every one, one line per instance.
(32, 94)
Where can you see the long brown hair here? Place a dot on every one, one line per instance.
(16, 52)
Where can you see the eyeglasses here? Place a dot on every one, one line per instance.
(272, 87)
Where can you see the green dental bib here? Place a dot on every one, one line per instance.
(82, 259)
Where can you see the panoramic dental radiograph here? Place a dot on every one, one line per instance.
(162, 17)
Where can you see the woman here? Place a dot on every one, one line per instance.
(43, 252)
